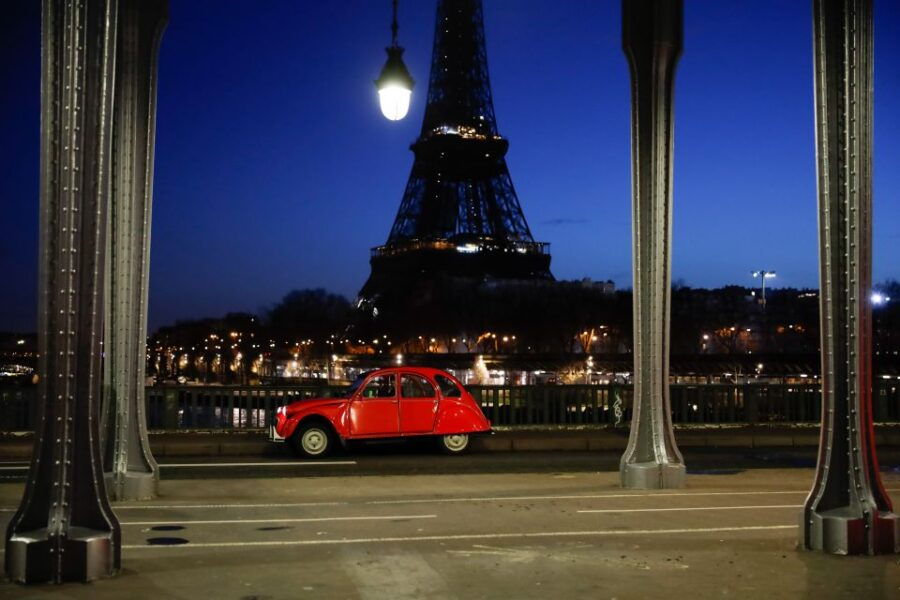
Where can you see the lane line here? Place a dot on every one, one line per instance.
(233, 464)
(302, 520)
(637, 510)
(589, 496)
(473, 536)
(324, 463)
(117, 507)
(445, 500)
(578, 497)
(266, 505)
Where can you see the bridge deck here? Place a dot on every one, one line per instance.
(559, 531)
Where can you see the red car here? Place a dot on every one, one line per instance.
(387, 403)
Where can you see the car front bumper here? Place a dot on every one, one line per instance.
(273, 435)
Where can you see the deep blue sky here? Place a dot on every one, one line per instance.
(276, 171)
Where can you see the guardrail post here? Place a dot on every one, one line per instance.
(848, 510)
(751, 404)
(170, 409)
(64, 529)
(652, 39)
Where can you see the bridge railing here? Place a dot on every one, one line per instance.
(253, 407)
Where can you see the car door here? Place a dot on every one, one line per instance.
(418, 404)
(375, 410)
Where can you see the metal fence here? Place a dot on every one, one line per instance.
(251, 407)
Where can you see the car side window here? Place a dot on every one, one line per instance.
(380, 387)
(448, 388)
(415, 386)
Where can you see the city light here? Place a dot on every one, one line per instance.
(878, 299)
(763, 275)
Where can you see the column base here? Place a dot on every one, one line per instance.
(132, 485)
(843, 531)
(652, 475)
(87, 554)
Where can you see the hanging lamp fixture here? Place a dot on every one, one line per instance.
(394, 84)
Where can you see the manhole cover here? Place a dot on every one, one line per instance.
(167, 528)
(166, 541)
(279, 528)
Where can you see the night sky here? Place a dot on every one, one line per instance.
(276, 171)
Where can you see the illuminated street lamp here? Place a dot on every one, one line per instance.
(394, 83)
(763, 275)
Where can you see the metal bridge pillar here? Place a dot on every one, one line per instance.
(131, 471)
(64, 529)
(651, 39)
(848, 510)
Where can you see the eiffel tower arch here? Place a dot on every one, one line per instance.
(460, 216)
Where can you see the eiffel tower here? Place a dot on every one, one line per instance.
(460, 216)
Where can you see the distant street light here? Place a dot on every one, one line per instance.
(878, 299)
(394, 84)
(763, 275)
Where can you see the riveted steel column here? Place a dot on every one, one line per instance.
(64, 529)
(848, 510)
(651, 38)
(131, 471)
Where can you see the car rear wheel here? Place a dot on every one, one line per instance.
(455, 443)
(313, 440)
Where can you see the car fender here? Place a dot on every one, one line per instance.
(455, 416)
(333, 413)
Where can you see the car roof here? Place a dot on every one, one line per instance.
(411, 369)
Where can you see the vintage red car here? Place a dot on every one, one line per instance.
(388, 403)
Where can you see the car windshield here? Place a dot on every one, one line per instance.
(348, 391)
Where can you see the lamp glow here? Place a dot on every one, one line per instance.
(394, 100)
(394, 83)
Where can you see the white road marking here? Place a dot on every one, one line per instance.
(312, 463)
(473, 536)
(586, 497)
(636, 510)
(233, 464)
(576, 497)
(439, 500)
(267, 505)
(300, 520)
(396, 575)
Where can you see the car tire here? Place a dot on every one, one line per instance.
(455, 443)
(313, 440)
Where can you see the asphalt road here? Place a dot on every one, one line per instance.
(421, 459)
(549, 533)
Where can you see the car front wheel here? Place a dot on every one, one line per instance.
(313, 440)
(455, 443)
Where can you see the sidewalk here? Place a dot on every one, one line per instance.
(17, 446)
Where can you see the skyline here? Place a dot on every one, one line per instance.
(271, 150)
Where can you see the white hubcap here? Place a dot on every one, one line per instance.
(456, 442)
(314, 441)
